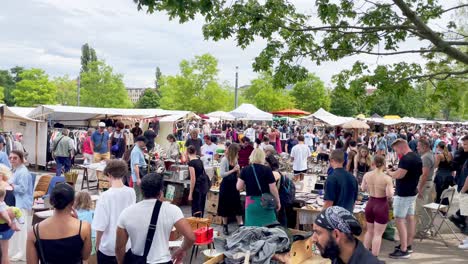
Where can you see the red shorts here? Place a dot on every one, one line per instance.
(377, 210)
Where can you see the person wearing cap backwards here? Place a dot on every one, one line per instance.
(334, 231)
(410, 169)
(137, 160)
(100, 143)
(61, 238)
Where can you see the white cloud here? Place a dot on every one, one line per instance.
(49, 34)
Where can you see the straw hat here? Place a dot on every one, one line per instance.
(5, 172)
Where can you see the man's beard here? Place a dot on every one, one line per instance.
(331, 249)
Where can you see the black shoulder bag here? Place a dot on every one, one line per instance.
(268, 201)
(131, 258)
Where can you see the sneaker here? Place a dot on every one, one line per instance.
(398, 254)
(408, 248)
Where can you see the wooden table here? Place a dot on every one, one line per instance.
(86, 176)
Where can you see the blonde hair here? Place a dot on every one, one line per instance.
(232, 154)
(83, 201)
(5, 172)
(257, 156)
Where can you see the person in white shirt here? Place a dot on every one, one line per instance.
(299, 155)
(208, 150)
(134, 223)
(108, 208)
(309, 139)
(206, 129)
(250, 133)
(265, 142)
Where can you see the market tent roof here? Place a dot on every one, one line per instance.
(384, 121)
(14, 113)
(76, 113)
(221, 115)
(375, 115)
(176, 115)
(250, 112)
(355, 124)
(294, 112)
(328, 118)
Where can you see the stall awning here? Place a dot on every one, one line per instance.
(328, 118)
(250, 112)
(74, 113)
(15, 113)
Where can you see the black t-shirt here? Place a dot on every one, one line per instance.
(150, 135)
(341, 187)
(264, 175)
(197, 165)
(407, 186)
(197, 143)
(136, 131)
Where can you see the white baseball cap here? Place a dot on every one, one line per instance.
(102, 124)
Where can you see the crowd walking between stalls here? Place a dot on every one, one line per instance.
(419, 161)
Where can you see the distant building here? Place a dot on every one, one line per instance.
(135, 93)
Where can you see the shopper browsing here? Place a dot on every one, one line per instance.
(134, 224)
(108, 208)
(100, 143)
(341, 188)
(137, 164)
(407, 178)
(299, 155)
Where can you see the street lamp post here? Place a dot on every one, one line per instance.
(236, 87)
(78, 82)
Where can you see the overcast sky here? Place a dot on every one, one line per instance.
(48, 34)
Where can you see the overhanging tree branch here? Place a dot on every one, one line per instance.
(436, 75)
(453, 8)
(429, 34)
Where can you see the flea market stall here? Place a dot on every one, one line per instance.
(15, 120)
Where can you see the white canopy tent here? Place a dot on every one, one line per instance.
(167, 123)
(82, 116)
(328, 118)
(250, 112)
(14, 120)
(221, 115)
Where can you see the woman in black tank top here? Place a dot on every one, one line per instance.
(61, 238)
(443, 178)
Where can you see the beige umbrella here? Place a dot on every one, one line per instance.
(356, 125)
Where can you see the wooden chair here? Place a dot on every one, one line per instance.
(42, 186)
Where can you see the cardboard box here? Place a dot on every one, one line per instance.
(217, 220)
(196, 222)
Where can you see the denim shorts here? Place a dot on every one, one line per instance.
(403, 206)
(6, 235)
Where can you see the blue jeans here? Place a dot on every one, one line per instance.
(62, 162)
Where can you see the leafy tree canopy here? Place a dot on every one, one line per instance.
(262, 94)
(311, 94)
(149, 99)
(34, 89)
(334, 30)
(196, 87)
(67, 90)
(101, 87)
(8, 83)
(88, 55)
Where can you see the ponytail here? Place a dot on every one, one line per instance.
(444, 148)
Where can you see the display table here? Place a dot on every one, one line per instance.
(102, 181)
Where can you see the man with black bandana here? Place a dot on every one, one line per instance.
(334, 232)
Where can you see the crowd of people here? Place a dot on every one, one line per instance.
(401, 170)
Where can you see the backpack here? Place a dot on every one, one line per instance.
(287, 190)
(127, 154)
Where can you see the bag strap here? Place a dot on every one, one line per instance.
(38, 240)
(56, 145)
(255, 174)
(152, 228)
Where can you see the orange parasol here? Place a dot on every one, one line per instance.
(292, 112)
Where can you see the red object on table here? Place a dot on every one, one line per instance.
(203, 234)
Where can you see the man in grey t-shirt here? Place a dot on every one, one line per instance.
(425, 185)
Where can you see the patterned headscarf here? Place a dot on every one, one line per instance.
(336, 217)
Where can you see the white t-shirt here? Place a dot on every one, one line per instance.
(309, 139)
(108, 208)
(136, 219)
(205, 149)
(250, 133)
(300, 153)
